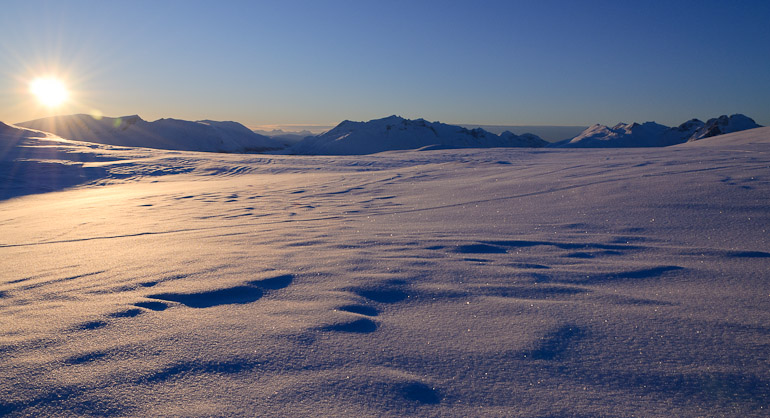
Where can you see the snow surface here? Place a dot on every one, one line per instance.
(397, 133)
(171, 134)
(651, 134)
(482, 282)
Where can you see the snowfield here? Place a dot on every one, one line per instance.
(477, 282)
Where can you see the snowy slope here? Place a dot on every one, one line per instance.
(10, 135)
(10, 130)
(452, 283)
(397, 133)
(172, 134)
(36, 162)
(651, 134)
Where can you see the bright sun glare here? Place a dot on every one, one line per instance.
(49, 91)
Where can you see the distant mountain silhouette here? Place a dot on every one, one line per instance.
(397, 133)
(651, 134)
(171, 134)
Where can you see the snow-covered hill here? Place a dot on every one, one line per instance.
(38, 162)
(651, 134)
(12, 138)
(10, 132)
(171, 134)
(397, 133)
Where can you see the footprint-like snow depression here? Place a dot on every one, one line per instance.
(490, 282)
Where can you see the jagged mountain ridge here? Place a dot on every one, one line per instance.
(397, 133)
(724, 125)
(171, 134)
(651, 134)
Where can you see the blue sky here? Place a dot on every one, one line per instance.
(319, 62)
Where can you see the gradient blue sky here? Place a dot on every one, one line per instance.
(319, 62)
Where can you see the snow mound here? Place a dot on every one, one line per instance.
(32, 162)
(10, 132)
(171, 134)
(651, 134)
(396, 133)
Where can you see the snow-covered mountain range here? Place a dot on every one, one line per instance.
(358, 138)
(397, 133)
(651, 134)
(171, 134)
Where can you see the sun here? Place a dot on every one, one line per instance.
(49, 91)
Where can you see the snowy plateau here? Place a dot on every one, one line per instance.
(474, 282)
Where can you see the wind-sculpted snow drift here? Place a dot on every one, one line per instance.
(651, 134)
(454, 283)
(171, 134)
(37, 162)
